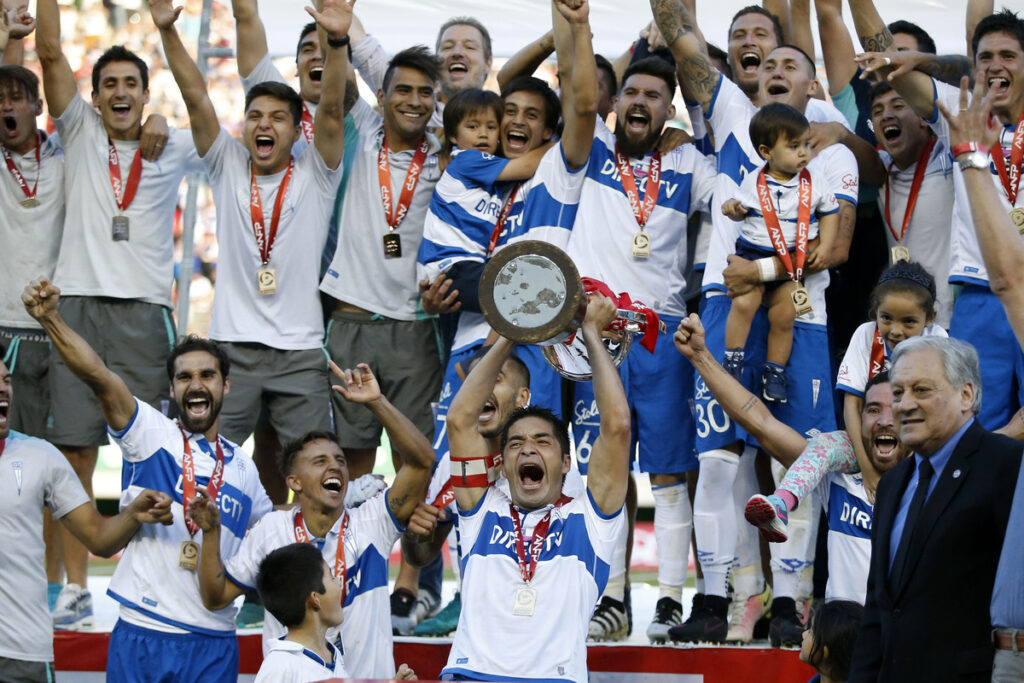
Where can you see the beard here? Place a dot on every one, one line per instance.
(198, 425)
(631, 147)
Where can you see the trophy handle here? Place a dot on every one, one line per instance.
(571, 360)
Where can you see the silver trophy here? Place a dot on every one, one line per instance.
(531, 293)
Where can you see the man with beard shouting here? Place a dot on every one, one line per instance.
(162, 619)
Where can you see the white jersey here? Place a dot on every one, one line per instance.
(154, 591)
(602, 241)
(572, 570)
(465, 208)
(359, 274)
(966, 264)
(786, 200)
(729, 114)
(928, 234)
(849, 535)
(289, 662)
(855, 370)
(91, 262)
(33, 475)
(33, 234)
(366, 631)
(291, 318)
(266, 71)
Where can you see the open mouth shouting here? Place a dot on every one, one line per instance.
(891, 132)
(776, 89)
(998, 86)
(121, 110)
(333, 485)
(750, 62)
(316, 74)
(5, 415)
(488, 413)
(637, 120)
(531, 476)
(10, 127)
(198, 407)
(264, 147)
(457, 69)
(885, 444)
(515, 141)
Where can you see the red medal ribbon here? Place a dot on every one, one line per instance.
(915, 188)
(16, 172)
(642, 211)
(123, 195)
(444, 497)
(188, 475)
(395, 214)
(3, 442)
(265, 240)
(528, 565)
(340, 570)
(877, 354)
(1011, 178)
(502, 217)
(307, 123)
(803, 223)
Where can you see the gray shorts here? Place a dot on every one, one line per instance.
(405, 358)
(134, 339)
(21, 671)
(291, 387)
(28, 360)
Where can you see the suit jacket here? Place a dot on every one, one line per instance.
(934, 626)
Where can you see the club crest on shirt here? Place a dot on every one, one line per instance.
(17, 467)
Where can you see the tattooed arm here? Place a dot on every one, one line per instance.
(698, 76)
(777, 439)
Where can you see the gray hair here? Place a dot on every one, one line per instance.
(959, 359)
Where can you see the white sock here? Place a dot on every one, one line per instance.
(789, 559)
(673, 520)
(747, 577)
(714, 519)
(616, 586)
(699, 584)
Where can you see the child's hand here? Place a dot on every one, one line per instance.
(733, 208)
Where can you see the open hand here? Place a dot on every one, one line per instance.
(973, 123)
(164, 13)
(335, 17)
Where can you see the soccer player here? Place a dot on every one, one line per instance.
(355, 543)
(41, 477)
(162, 620)
(271, 206)
(536, 559)
(116, 255)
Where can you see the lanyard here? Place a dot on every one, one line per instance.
(528, 564)
(264, 239)
(16, 172)
(340, 570)
(123, 195)
(1011, 178)
(307, 123)
(641, 211)
(188, 474)
(395, 214)
(803, 224)
(877, 354)
(915, 189)
(502, 217)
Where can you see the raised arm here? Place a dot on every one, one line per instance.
(250, 36)
(527, 60)
(571, 26)
(1001, 246)
(836, 45)
(778, 440)
(464, 439)
(58, 78)
(334, 19)
(608, 472)
(118, 404)
(15, 24)
(105, 536)
(410, 485)
(799, 32)
(697, 74)
(201, 114)
(976, 11)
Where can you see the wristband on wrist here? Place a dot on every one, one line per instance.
(337, 42)
(475, 472)
(966, 148)
(766, 268)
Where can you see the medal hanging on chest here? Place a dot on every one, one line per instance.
(266, 277)
(641, 210)
(123, 194)
(395, 214)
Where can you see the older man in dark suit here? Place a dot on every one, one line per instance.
(939, 522)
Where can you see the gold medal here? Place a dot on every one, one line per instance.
(900, 253)
(266, 281)
(801, 300)
(392, 245)
(526, 600)
(29, 202)
(1017, 216)
(189, 556)
(641, 245)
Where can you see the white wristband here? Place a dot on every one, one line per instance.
(766, 268)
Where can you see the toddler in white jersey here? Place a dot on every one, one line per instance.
(785, 211)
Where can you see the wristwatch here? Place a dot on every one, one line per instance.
(979, 160)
